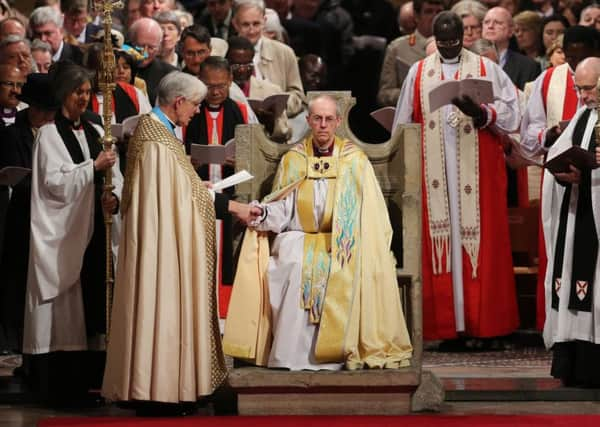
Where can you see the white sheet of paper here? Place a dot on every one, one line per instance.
(385, 117)
(230, 181)
(213, 153)
(125, 129)
(12, 175)
(479, 90)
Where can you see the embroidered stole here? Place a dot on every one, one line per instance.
(435, 167)
(561, 99)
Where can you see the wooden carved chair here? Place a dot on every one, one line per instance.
(397, 165)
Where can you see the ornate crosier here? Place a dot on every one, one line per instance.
(106, 83)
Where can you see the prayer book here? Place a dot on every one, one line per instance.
(125, 129)
(230, 181)
(276, 103)
(213, 153)
(385, 117)
(580, 158)
(479, 90)
(12, 175)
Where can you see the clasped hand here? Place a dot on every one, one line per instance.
(466, 104)
(572, 177)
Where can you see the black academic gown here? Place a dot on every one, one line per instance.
(63, 378)
(152, 75)
(16, 150)
(197, 133)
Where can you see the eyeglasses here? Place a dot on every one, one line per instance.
(588, 88)
(146, 48)
(447, 43)
(317, 120)
(12, 85)
(219, 87)
(193, 53)
(238, 67)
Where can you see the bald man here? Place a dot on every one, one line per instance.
(571, 218)
(145, 35)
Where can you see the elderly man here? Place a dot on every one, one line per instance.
(15, 50)
(468, 280)
(168, 349)
(11, 82)
(571, 219)
(10, 26)
(332, 232)
(273, 60)
(408, 49)
(498, 28)
(46, 24)
(553, 100)
(146, 35)
(406, 18)
(42, 55)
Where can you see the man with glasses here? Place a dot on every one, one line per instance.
(408, 49)
(498, 28)
(554, 99)
(570, 217)
(15, 50)
(11, 83)
(78, 28)
(146, 35)
(46, 24)
(468, 280)
(324, 294)
(239, 55)
(215, 124)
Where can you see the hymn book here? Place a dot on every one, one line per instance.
(579, 157)
(385, 117)
(215, 154)
(125, 129)
(479, 90)
(276, 103)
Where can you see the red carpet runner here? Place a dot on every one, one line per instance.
(345, 421)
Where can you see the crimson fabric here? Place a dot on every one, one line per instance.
(571, 102)
(490, 301)
(337, 421)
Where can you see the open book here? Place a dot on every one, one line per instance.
(213, 153)
(125, 129)
(276, 103)
(12, 175)
(581, 158)
(385, 117)
(479, 90)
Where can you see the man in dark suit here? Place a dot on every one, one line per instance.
(16, 150)
(498, 28)
(78, 28)
(145, 35)
(46, 24)
(217, 18)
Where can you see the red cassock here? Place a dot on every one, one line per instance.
(490, 304)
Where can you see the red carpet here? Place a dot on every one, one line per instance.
(346, 421)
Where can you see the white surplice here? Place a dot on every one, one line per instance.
(534, 124)
(567, 325)
(506, 105)
(62, 224)
(294, 336)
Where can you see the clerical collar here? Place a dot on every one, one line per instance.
(169, 124)
(322, 152)
(8, 113)
(213, 108)
(73, 124)
(454, 60)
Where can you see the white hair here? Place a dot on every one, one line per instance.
(177, 84)
(248, 4)
(45, 14)
(40, 45)
(13, 38)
